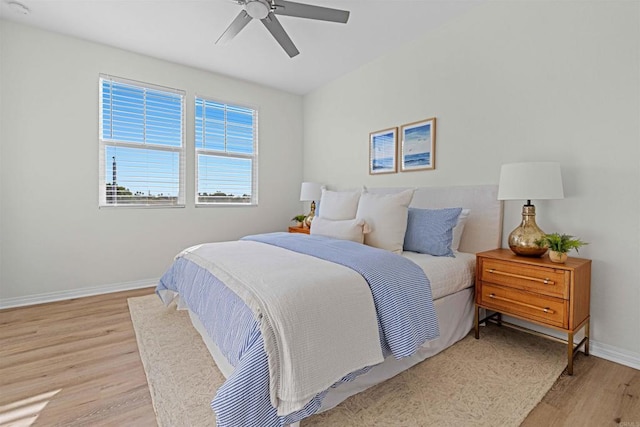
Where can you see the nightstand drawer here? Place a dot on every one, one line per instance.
(543, 280)
(544, 309)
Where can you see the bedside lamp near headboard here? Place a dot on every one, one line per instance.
(310, 192)
(527, 181)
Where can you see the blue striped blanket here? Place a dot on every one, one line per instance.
(401, 293)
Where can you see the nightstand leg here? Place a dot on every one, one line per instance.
(570, 353)
(499, 319)
(475, 322)
(586, 334)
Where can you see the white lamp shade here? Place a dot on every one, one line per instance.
(530, 181)
(310, 191)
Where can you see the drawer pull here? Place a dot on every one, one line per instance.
(510, 301)
(546, 281)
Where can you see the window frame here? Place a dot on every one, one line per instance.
(103, 143)
(220, 153)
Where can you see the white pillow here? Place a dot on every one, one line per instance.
(347, 229)
(386, 215)
(459, 228)
(339, 205)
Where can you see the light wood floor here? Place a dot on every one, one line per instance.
(76, 363)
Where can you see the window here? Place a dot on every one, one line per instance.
(141, 144)
(226, 153)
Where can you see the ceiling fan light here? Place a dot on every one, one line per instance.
(257, 9)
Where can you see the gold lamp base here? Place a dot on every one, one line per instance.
(522, 240)
(309, 219)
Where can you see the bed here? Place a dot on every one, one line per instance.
(267, 385)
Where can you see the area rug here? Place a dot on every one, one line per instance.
(494, 381)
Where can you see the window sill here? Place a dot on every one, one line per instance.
(232, 205)
(140, 206)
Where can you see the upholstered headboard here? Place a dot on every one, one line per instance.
(483, 230)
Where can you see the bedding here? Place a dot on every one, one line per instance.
(459, 229)
(339, 205)
(244, 399)
(430, 231)
(455, 317)
(406, 319)
(347, 229)
(386, 215)
(447, 275)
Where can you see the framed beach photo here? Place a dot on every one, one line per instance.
(418, 147)
(383, 149)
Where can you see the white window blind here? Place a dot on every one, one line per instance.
(142, 152)
(226, 153)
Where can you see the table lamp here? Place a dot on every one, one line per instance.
(310, 191)
(529, 181)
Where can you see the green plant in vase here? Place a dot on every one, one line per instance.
(559, 245)
(299, 219)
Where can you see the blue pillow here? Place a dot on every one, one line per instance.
(430, 231)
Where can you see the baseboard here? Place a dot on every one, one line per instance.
(76, 293)
(615, 354)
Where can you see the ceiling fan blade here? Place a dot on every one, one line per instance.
(299, 10)
(236, 26)
(278, 33)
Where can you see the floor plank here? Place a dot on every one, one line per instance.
(600, 393)
(73, 363)
(76, 363)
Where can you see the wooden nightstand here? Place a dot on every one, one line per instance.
(303, 230)
(538, 291)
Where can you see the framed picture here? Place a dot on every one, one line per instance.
(418, 149)
(383, 151)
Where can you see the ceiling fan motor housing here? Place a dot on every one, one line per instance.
(257, 9)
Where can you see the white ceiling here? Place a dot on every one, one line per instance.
(184, 31)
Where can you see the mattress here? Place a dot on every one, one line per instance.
(447, 275)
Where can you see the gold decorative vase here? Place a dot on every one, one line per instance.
(522, 240)
(309, 219)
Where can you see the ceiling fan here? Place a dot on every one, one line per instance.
(266, 11)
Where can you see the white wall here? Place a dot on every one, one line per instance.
(514, 81)
(53, 237)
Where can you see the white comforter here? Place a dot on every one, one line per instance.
(317, 318)
(447, 275)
